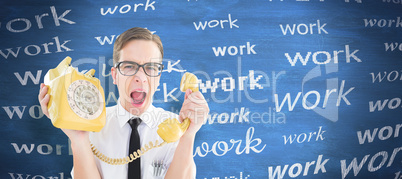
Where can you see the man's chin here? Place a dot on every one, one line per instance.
(138, 108)
(137, 105)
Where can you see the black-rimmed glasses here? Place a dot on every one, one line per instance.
(129, 68)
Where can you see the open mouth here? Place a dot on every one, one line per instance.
(138, 97)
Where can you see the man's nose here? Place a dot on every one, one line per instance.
(140, 76)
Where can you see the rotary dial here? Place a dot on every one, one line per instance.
(85, 99)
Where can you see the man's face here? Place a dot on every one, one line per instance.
(136, 91)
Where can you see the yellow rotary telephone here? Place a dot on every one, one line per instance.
(77, 102)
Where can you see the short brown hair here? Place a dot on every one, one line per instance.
(136, 33)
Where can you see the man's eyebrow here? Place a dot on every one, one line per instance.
(157, 59)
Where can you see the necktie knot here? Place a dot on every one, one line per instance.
(134, 122)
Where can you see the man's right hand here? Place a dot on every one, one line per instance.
(83, 159)
(43, 98)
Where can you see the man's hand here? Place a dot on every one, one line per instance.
(195, 107)
(83, 159)
(43, 98)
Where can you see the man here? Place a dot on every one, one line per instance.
(137, 57)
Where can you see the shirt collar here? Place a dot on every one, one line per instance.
(124, 116)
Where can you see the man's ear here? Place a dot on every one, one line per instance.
(114, 73)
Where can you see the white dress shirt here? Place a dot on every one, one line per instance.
(113, 141)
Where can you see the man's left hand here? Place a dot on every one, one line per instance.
(195, 107)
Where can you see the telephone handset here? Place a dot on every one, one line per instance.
(77, 100)
(171, 130)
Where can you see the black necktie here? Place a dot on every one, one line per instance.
(134, 168)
